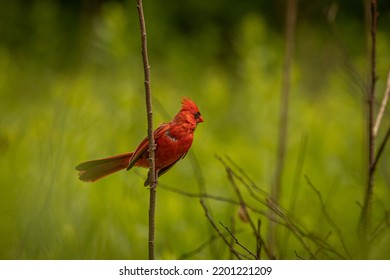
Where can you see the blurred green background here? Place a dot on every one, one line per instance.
(71, 89)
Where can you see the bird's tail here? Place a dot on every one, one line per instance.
(93, 170)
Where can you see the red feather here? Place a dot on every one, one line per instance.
(173, 140)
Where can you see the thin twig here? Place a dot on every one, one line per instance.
(202, 246)
(274, 209)
(383, 225)
(380, 150)
(259, 244)
(198, 195)
(284, 105)
(266, 201)
(327, 216)
(282, 217)
(198, 249)
(208, 215)
(383, 106)
(298, 172)
(221, 199)
(298, 256)
(259, 239)
(233, 226)
(345, 57)
(291, 15)
(149, 111)
(238, 242)
(320, 247)
(295, 185)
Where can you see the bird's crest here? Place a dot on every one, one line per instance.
(188, 105)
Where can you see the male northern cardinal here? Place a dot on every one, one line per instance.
(173, 140)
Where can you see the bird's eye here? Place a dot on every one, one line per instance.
(197, 115)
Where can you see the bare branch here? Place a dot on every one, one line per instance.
(149, 112)
(291, 15)
(255, 230)
(298, 256)
(367, 207)
(345, 57)
(380, 150)
(208, 215)
(148, 98)
(282, 216)
(327, 216)
(383, 106)
(202, 246)
(382, 226)
(238, 242)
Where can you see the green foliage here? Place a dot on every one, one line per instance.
(72, 90)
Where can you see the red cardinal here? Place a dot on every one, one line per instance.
(173, 140)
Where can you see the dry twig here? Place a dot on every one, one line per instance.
(328, 217)
(152, 169)
(208, 215)
(238, 242)
(383, 106)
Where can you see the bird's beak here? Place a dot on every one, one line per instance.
(200, 119)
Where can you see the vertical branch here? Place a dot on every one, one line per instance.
(152, 170)
(284, 105)
(366, 211)
(284, 101)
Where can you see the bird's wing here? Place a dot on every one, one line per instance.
(144, 145)
(165, 169)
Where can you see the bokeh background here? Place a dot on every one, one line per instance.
(71, 89)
